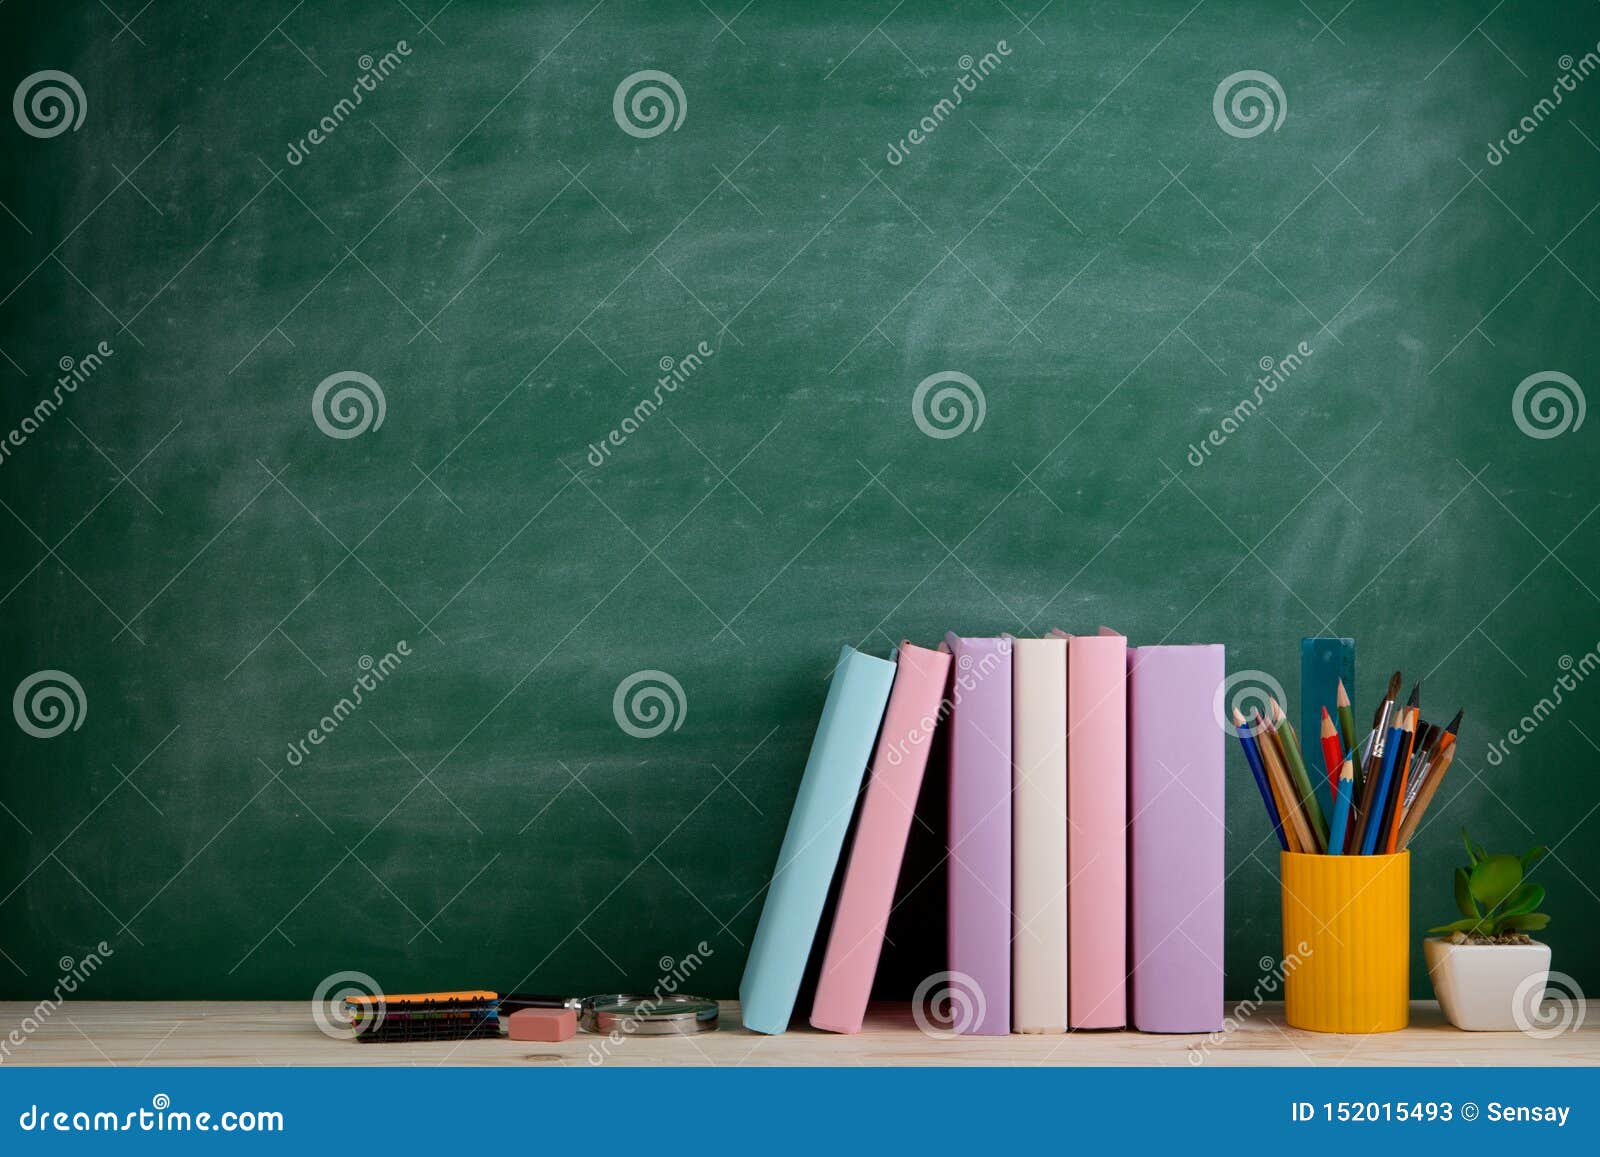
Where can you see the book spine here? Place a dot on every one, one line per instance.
(979, 867)
(916, 706)
(1039, 836)
(1097, 807)
(1175, 771)
(811, 845)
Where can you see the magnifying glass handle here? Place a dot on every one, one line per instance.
(517, 1001)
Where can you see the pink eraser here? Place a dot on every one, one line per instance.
(542, 1024)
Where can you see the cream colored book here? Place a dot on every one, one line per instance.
(1039, 836)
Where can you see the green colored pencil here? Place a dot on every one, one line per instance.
(1297, 771)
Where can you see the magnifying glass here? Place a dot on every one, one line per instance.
(633, 1013)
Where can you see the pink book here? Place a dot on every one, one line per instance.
(1097, 830)
(915, 709)
(1175, 762)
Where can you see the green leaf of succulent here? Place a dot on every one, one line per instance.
(1466, 925)
(1494, 878)
(1464, 900)
(1524, 899)
(1526, 922)
(1472, 856)
(1532, 856)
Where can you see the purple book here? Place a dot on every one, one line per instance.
(1175, 784)
(980, 836)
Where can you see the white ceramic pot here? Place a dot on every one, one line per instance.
(1480, 985)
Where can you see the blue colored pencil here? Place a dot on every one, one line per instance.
(1373, 827)
(1253, 758)
(1343, 790)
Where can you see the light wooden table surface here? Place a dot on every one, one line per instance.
(220, 1033)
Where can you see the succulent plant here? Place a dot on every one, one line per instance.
(1493, 898)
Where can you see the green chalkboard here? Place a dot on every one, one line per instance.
(521, 365)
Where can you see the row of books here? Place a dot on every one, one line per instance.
(1085, 865)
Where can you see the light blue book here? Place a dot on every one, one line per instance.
(810, 853)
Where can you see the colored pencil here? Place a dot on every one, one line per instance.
(1267, 747)
(1343, 790)
(1394, 807)
(1372, 827)
(1332, 751)
(1253, 758)
(1293, 814)
(1441, 738)
(1347, 721)
(1430, 788)
(1301, 778)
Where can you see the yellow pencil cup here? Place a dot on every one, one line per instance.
(1347, 942)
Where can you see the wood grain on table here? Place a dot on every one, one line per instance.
(283, 1033)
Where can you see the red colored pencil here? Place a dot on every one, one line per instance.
(1332, 752)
